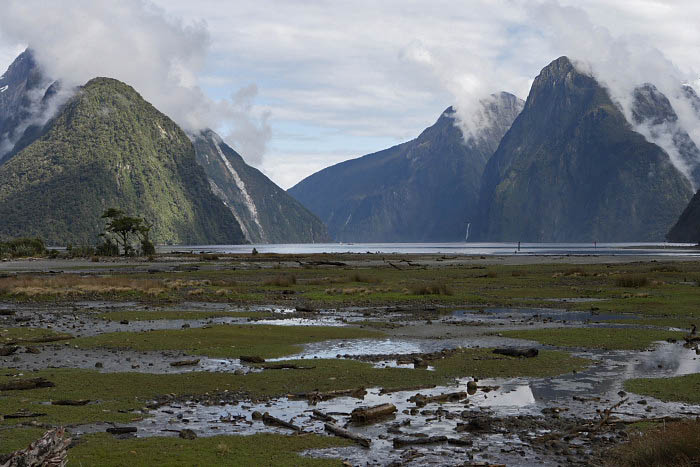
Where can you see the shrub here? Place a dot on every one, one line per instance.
(107, 248)
(632, 280)
(22, 247)
(83, 251)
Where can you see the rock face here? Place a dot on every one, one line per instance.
(107, 147)
(653, 112)
(22, 89)
(425, 190)
(571, 169)
(687, 229)
(266, 213)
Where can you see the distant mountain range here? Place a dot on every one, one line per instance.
(564, 166)
(107, 147)
(568, 168)
(425, 190)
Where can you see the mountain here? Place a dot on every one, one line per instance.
(653, 111)
(108, 147)
(424, 190)
(687, 228)
(266, 213)
(23, 89)
(572, 169)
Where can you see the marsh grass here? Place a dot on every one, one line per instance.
(674, 444)
(434, 288)
(283, 280)
(74, 284)
(632, 281)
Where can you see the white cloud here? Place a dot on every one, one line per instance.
(367, 71)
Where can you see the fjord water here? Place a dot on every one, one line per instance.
(464, 248)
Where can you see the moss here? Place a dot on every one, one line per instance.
(596, 338)
(227, 341)
(678, 389)
(29, 335)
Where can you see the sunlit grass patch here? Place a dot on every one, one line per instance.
(596, 338)
(227, 340)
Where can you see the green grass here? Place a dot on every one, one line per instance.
(596, 338)
(261, 449)
(18, 438)
(227, 341)
(27, 335)
(119, 394)
(664, 322)
(677, 389)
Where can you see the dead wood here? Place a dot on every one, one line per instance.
(51, 450)
(286, 366)
(274, 421)
(71, 402)
(512, 352)
(23, 384)
(185, 363)
(400, 442)
(343, 433)
(421, 401)
(122, 430)
(372, 414)
(251, 359)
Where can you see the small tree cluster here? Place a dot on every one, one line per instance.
(122, 232)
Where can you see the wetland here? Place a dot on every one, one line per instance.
(363, 359)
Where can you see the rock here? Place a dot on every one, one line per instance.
(512, 352)
(99, 365)
(124, 321)
(187, 434)
(471, 388)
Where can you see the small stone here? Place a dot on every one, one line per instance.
(188, 434)
(99, 365)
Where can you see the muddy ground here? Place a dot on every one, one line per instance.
(560, 419)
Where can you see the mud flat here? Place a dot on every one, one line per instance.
(244, 352)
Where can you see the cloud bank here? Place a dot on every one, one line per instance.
(134, 41)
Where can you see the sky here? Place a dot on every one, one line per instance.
(296, 86)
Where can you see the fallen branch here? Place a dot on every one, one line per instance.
(274, 421)
(343, 433)
(48, 451)
(286, 366)
(23, 384)
(71, 402)
(185, 363)
(421, 401)
(400, 442)
(511, 352)
(251, 359)
(372, 414)
(322, 416)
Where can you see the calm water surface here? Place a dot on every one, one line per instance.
(552, 249)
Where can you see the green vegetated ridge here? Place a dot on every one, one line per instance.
(265, 211)
(423, 190)
(107, 147)
(571, 168)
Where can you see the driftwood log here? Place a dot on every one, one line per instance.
(251, 359)
(122, 430)
(343, 433)
(314, 397)
(372, 414)
(421, 401)
(48, 451)
(274, 421)
(512, 352)
(286, 366)
(71, 402)
(23, 384)
(7, 350)
(400, 442)
(185, 363)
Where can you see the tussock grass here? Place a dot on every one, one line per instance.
(434, 288)
(363, 278)
(285, 280)
(673, 444)
(73, 284)
(632, 281)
